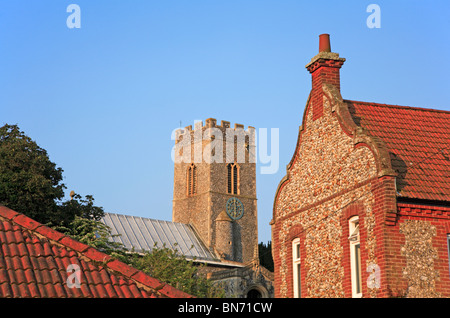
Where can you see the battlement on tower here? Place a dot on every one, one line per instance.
(212, 123)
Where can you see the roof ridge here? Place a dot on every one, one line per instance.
(399, 106)
(85, 251)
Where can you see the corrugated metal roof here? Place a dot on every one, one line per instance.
(143, 233)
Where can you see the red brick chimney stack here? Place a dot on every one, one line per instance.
(324, 68)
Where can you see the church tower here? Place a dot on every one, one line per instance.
(215, 187)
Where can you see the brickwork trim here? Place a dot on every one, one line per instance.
(354, 209)
(297, 231)
(360, 138)
(423, 211)
(331, 197)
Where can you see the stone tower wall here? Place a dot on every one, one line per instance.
(210, 154)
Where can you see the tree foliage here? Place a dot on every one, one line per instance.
(168, 266)
(29, 182)
(81, 221)
(77, 206)
(265, 255)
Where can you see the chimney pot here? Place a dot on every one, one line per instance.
(324, 43)
(324, 68)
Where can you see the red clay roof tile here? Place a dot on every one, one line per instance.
(34, 262)
(418, 141)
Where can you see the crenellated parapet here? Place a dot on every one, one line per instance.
(213, 129)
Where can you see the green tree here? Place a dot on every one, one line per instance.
(80, 219)
(77, 206)
(265, 255)
(29, 182)
(168, 266)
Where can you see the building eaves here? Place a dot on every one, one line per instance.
(34, 262)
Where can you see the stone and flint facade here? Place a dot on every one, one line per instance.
(364, 208)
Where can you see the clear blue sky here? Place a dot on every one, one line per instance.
(103, 99)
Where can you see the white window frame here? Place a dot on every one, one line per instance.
(296, 264)
(448, 251)
(355, 257)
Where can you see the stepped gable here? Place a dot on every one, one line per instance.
(418, 143)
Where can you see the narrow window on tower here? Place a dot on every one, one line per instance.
(236, 179)
(191, 180)
(233, 178)
(194, 180)
(355, 257)
(230, 178)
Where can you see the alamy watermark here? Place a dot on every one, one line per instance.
(74, 279)
(74, 19)
(374, 19)
(373, 281)
(227, 145)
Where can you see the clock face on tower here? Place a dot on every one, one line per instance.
(235, 208)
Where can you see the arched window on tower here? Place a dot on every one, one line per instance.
(233, 178)
(191, 180)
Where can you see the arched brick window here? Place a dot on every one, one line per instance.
(355, 256)
(295, 254)
(352, 222)
(296, 268)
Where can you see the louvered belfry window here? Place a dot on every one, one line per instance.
(192, 180)
(233, 178)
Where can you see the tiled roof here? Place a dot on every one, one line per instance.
(418, 141)
(141, 234)
(35, 262)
